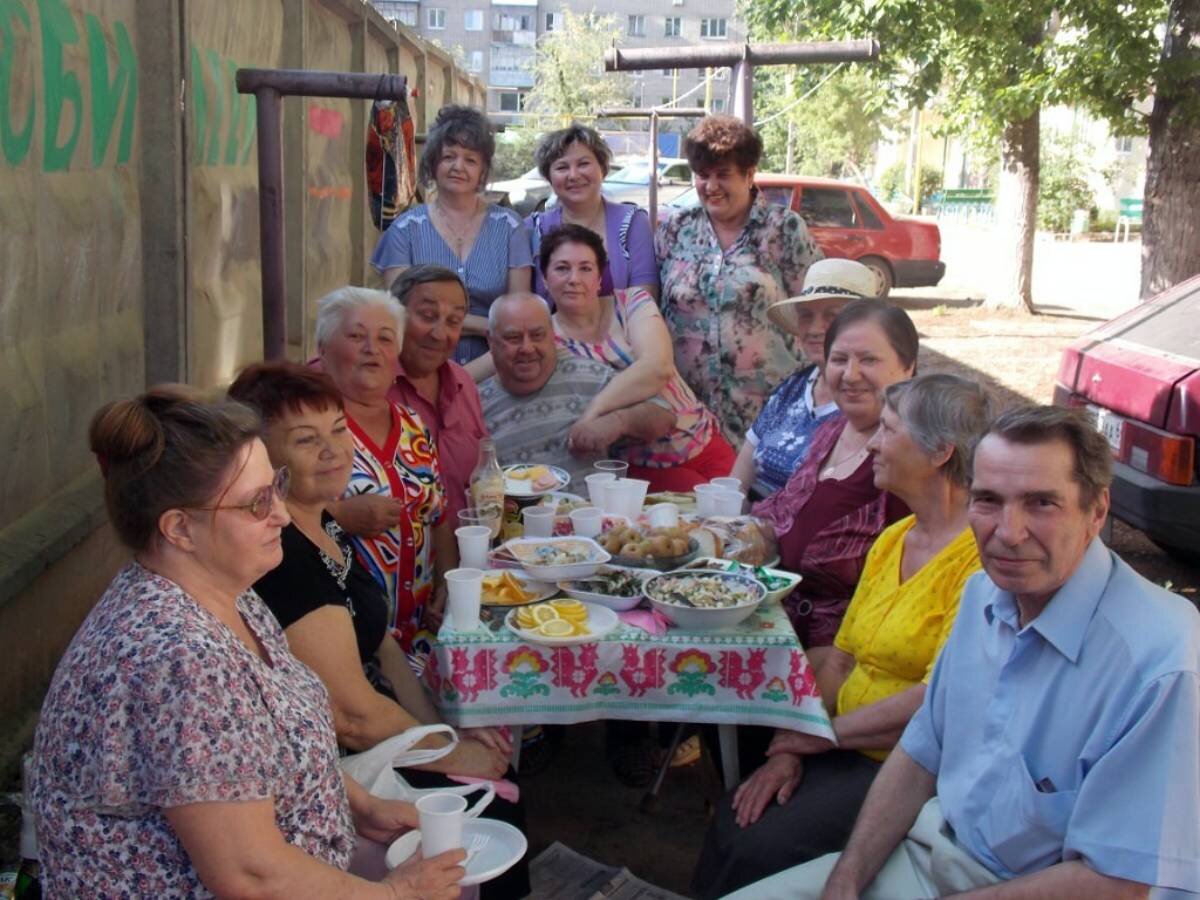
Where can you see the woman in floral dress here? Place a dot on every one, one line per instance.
(182, 750)
(722, 264)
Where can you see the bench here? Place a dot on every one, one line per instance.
(1129, 212)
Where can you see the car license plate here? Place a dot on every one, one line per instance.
(1110, 425)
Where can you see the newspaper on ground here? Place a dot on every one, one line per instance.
(559, 873)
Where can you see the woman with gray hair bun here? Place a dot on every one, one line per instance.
(394, 507)
(483, 244)
(802, 802)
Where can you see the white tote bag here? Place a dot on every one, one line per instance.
(375, 769)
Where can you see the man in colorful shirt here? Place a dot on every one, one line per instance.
(1057, 749)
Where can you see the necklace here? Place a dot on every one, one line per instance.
(459, 235)
(855, 456)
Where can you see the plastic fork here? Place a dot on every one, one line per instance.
(478, 842)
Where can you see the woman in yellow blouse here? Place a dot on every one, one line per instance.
(802, 802)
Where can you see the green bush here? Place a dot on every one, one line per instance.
(893, 184)
(514, 152)
(1063, 185)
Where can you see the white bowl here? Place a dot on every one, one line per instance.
(521, 547)
(693, 619)
(612, 601)
(711, 563)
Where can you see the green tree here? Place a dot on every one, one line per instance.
(995, 64)
(569, 80)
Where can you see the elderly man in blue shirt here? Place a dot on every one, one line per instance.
(1057, 751)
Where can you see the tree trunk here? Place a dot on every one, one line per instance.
(1170, 236)
(1016, 214)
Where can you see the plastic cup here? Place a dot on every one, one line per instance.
(616, 467)
(705, 495)
(593, 481)
(727, 503)
(627, 495)
(473, 541)
(440, 817)
(539, 521)
(482, 515)
(663, 515)
(465, 589)
(728, 482)
(587, 522)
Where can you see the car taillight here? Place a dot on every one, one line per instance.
(1168, 457)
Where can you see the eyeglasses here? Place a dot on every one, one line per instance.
(260, 504)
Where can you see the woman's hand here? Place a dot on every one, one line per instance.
(428, 879)
(367, 515)
(473, 758)
(496, 738)
(799, 744)
(776, 779)
(383, 820)
(435, 612)
(593, 435)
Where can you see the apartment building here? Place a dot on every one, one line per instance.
(497, 40)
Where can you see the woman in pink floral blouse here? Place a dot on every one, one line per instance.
(182, 750)
(722, 264)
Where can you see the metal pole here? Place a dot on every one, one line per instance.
(270, 224)
(617, 59)
(743, 90)
(653, 198)
(708, 89)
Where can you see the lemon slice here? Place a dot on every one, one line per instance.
(556, 628)
(543, 613)
(563, 605)
(580, 628)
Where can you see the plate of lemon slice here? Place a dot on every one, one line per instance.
(561, 622)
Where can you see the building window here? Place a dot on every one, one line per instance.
(666, 101)
(718, 105)
(512, 22)
(1124, 144)
(407, 15)
(473, 20)
(677, 2)
(712, 28)
(672, 26)
(551, 21)
(476, 62)
(720, 74)
(510, 101)
(436, 19)
(637, 26)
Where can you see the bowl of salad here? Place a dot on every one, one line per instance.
(699, 600)
(777, 582)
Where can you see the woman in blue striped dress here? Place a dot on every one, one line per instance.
(486, 245)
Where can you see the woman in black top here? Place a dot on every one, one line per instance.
(332, 611)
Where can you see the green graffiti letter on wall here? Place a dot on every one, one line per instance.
(62, 86)
(14, 144)
(106, 95)
(216, 102)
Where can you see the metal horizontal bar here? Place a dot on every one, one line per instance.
(308, 83)
(639, 113)
(617, 59)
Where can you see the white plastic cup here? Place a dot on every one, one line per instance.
(727, 503)
(663, 515)
(627, 496)
(587, 522)
(465, 590)
(705, 495)
(473, 543)
(610, 495)
(615, 467)
(440, 817)
(539, 521)
(593, 481)
(728, 482)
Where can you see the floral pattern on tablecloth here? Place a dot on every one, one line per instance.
(755, 674)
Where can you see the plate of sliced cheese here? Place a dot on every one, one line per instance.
(561, 622)
(534, 480)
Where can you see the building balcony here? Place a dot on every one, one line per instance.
(510, 79)
(514, 38)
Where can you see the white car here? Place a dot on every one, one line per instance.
(525, 194)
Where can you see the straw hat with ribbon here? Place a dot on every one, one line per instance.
(826, 279)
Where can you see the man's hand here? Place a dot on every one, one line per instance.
(777, 779)
(384, 820)
(367, 515)
(428, 879)
(798, 743)
(593, 435)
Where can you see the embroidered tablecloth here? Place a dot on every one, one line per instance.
(755, 674)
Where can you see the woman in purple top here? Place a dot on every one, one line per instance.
(575, 162)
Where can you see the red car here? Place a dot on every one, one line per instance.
(848, 223)
(1139, 377)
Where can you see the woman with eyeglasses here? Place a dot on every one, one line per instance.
(182, 750)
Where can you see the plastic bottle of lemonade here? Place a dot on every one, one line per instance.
(487, 484)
